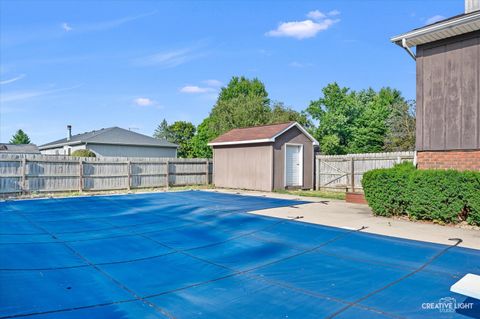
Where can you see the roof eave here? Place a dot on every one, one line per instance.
(263, 140)
(414, 37)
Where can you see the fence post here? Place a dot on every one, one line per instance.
(167, 176)
(129, 175)
(317, 173)
(352, 173)
(80, 175)
(207, 173)
(24, 175)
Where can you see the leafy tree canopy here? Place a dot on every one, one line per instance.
(180, 133)
(242, 103)
(20, 137)
(361, 122)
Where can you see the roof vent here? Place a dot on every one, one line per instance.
(69, 132)
(472, 5)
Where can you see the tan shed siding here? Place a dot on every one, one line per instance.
(448, 94)
(246, 166)
(295, 136)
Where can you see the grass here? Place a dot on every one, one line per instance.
(321, 194)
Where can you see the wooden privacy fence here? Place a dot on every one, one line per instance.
(44, 173)
(345, 172)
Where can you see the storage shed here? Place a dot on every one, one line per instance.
(265, 158)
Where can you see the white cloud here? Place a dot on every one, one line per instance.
(143, 101)
(168, 59)
(213, 83)
(66, 27)
(296, 64)
(105, 25)
(21, 76)
(333, 13)
(301, 29)
(434, 19)
(316, 15)
(24, 95)
(193, 89)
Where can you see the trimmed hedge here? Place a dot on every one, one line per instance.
(444, 196)
(84, 153)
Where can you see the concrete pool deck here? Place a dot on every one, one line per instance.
(338, 213)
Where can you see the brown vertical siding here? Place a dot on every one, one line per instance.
(246, 166)
(448, 89)
(294, 135)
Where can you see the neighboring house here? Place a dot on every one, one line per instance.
(448, 90)
(112, 141)
(19, 149)
(266, 158)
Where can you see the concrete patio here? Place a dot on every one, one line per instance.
(338, 213)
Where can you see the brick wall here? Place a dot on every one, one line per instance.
(459, 160)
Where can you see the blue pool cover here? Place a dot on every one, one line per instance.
(200, 254)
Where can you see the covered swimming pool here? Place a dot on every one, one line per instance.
(197, 254)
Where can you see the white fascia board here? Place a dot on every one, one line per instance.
(264, 140)
(435, 28)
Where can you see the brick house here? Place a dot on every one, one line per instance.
(448, 90)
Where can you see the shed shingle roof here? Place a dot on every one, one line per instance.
(257, 134)
(112, 135)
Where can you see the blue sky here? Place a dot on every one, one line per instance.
(95, 64)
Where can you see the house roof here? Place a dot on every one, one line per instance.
(457, 25)
(19, 148)
(113, 136)
(257, 134)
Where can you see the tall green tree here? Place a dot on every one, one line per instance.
(281, 113)
(357, 122)
(242, 103)
(20, 137)
(161, 132)
(336, 113)
(401, 127)
(181, 133)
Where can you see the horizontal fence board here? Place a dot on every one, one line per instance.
(30, 173)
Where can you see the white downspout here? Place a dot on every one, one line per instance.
(410, 52)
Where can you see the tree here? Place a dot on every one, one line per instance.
(280, 113)
(358, 122)
(200, 140)
(20, 137)
(242, 103)
(401, 127)
(181, 133)
(336, 113)
(161, 132)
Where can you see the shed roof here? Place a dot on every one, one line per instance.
(113, 136)
(457, 25)
(257, 134)
(19, 148)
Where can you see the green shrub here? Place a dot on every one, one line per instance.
(442, 196)
(384, 189)
(83, 153)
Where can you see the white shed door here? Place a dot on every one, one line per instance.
(293, 165)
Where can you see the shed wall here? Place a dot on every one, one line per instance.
(448, 94)
(294, 136)
(246, 166)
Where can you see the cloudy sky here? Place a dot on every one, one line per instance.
(132, 63)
